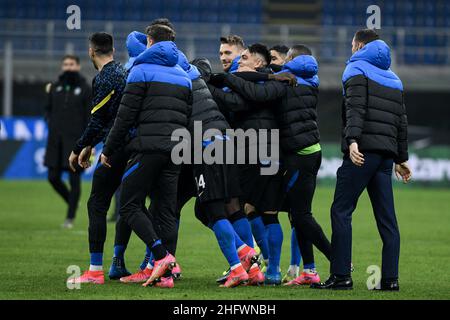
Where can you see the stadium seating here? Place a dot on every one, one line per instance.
(138, 10)
(418, 27)
(427, 15)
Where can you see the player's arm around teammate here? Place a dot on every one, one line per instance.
(295, 108)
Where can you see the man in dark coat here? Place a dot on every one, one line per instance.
(156, 102)
(374, 141)
(67, 114)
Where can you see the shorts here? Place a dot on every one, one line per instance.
(216, 182)
(272, 195)
(264, 192)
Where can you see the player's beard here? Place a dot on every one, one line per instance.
(95, 65)
(227, 68)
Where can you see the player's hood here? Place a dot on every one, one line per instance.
(136, 44)
(376, 53)
(190, 69)
(305, 68)
(373, 61)
(164, 53)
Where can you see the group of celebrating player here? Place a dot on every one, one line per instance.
(136, 109)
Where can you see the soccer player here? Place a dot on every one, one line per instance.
(296, 113)
(156, 101)
(278, 56)
(231, 48)
(108, 86)
(260, 193)
(374, 140)
(218, 184)
(136, 44)
(66, 114)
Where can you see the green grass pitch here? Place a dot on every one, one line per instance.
(35, 252)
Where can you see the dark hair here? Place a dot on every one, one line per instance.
(366, 35)
(299, 50)
(233, 40)
(102, 43)
(262, 50)
(165, 22)
(280, 48)
(160, 32)
(71, 57)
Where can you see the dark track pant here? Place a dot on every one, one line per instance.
(376, 176)
(155, 175)
(105, 182)
(70, 195)
(300, 186)
(185, 191)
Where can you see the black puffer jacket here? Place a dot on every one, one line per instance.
(295, 107)
(157, 100)
(204, 108)
(244, 113)
(373, 111)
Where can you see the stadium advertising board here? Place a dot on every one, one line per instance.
(23, 140)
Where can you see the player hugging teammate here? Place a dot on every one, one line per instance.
(266, 90)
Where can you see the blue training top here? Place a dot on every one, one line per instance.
(136, 44)
(159, 64)
(373, 61)
(305, 69)
(190, 69)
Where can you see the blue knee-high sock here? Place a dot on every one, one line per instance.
(259, 232)
(275, 239)
(119, 251)
(238, 240)
(225, 237)
(243, 229)
(296, 256)
(96, 258)
(148, 257)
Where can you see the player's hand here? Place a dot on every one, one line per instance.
(284, 76)
(84, 159)
(356, 156)
(402, 171)
(217, 79)
(105, 161)
(73, 160)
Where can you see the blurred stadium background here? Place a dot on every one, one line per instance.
(34, 37)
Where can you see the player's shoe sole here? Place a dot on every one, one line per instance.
(176, 272)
